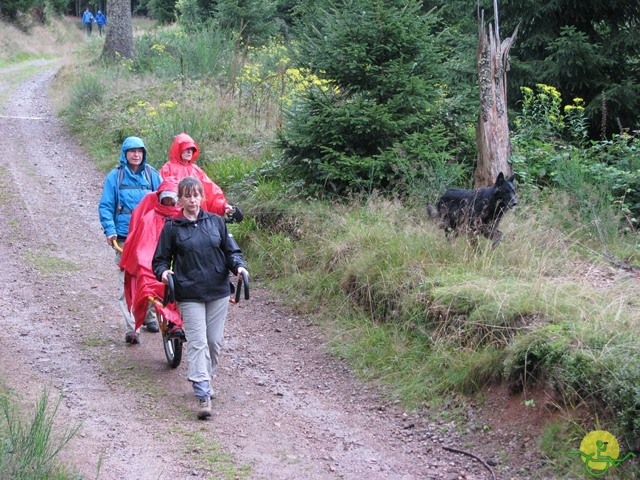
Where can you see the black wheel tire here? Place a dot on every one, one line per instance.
(172, 350)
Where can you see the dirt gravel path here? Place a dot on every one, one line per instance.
(284, 409)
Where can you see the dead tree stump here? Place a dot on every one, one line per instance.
(492, 132)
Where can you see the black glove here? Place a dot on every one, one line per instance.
(236, 216)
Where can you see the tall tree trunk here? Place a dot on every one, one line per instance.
(119, 36)
(492, 132)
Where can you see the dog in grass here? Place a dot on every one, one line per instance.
(475, 212)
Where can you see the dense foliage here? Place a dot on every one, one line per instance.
(163, 11)
(23, 12)
(380, 115)
(253, 20)
(11, 8)
(551, 150)
(586, 49)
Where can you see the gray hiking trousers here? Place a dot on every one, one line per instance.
(203, 324)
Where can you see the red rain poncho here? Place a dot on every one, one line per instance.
(214, 200)
(147, 221)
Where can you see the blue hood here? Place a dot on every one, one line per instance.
(128, 144)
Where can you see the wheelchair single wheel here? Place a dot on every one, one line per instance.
(172, 341)
(172, 345)
(172, 350)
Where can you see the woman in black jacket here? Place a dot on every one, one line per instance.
(199, 251)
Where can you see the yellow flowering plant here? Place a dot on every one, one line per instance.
(541, 112)
(268, 79)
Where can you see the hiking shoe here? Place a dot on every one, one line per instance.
(204, 408)
(153, 327)
(131, 338)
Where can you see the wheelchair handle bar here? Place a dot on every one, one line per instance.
(242, 280)
(169, 291)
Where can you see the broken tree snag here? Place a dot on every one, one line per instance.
(492, 132)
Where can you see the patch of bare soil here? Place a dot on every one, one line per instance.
(284, 408)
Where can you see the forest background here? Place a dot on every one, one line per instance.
(333, 125)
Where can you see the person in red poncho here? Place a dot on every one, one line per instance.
(145, 226)
(182, 163)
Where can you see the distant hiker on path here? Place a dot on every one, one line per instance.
(101, 20)
(87, 20)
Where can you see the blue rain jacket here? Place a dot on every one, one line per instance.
(118, 201)
(100, 18)
(87, 17)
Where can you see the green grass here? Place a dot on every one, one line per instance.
(17, 58)
(47, 265)
(556, 443)
(430, 318)
(232, 171)
(11, 223)
(90, 341)
(29, 444)
(142, 380)
(6, 196)
(212, 458)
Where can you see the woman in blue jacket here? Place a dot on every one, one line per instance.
(101, 20)
(124, 187)
(200, 252)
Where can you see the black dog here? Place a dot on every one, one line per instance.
(476, 211)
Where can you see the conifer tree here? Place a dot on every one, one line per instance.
(252, 20)
(163, 11)
(585, 49)
(380, 71)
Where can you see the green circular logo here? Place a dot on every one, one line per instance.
(600, 451)
(595, 444)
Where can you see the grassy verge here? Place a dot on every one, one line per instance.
(29, 443)
(41, 42)
(432, 320)
(433, 317)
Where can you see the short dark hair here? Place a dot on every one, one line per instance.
(190, 185)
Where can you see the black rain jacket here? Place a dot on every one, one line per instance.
(201, 253)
